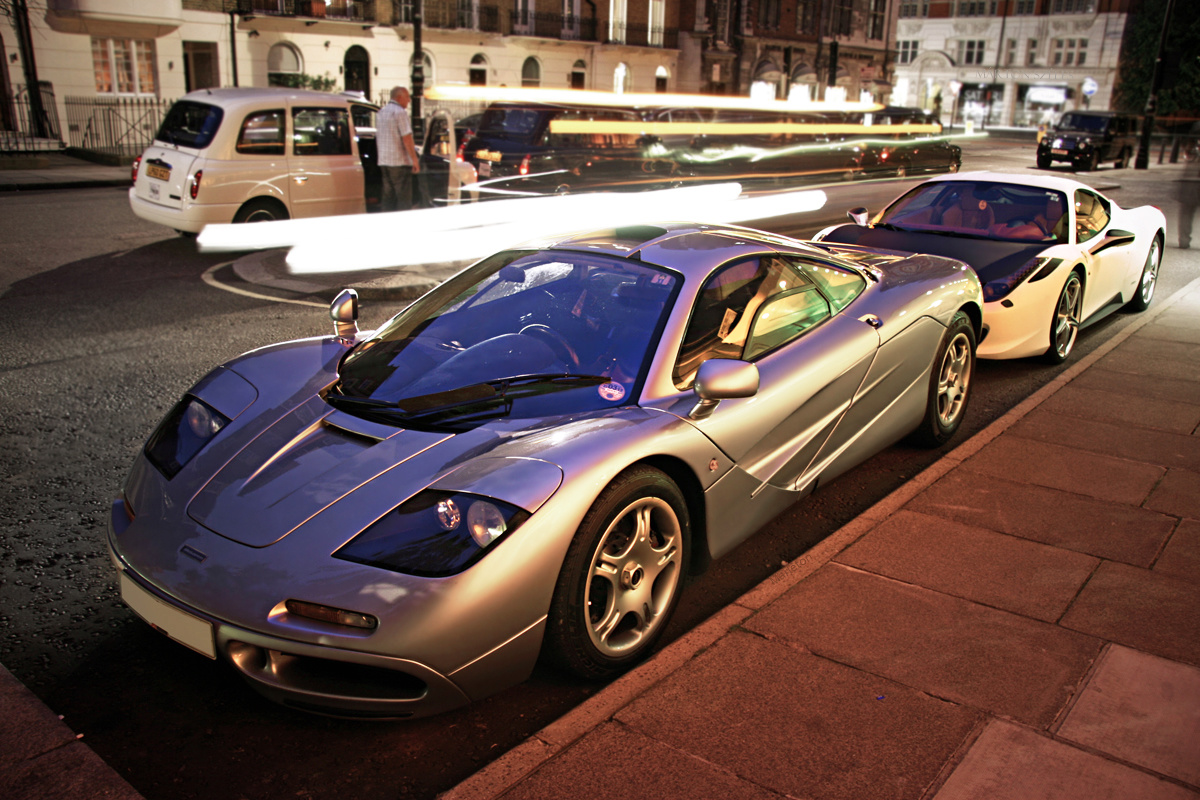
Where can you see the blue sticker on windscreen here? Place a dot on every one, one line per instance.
(611, 391)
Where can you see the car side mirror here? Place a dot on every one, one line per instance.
(859, 215)
(344, 313)
(722, 379)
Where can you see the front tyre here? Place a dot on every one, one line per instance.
(621, 577)
(1064, 323)
(949, 385)
(1145, 292)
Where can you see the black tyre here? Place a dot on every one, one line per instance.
(949, 385)
(1064, 323)
(621, 578)
(1145, 293)
(1043, 162)
(261, 210)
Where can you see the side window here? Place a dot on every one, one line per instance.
(320, 132)
(784, 317)
(840, 285)
(262, 134)
(1091, 215)
(732, 303)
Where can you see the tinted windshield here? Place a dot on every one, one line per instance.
(518, 124)
(190, 124)
(987, 210)
(520, 314)
(1083, 122)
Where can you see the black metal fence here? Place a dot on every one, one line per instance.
(114, 127)
(20, 132)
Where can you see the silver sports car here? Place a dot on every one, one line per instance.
(529, 459)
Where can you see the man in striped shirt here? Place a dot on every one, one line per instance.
(398, 160)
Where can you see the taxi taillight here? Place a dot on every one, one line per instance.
(194, 188)
(137, 162)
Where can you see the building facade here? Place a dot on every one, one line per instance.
(1008, 62)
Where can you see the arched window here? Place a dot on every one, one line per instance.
(531, 72)
(661, 78)
(284, 65)
(426, 68)
(477, 74)
(579, 75)
(622, 78)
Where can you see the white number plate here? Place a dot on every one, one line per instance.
(188, 630)
(485, 169)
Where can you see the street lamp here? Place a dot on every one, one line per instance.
(1143, 156)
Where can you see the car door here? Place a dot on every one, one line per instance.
(1108, 260)
(811, 361)
(326, 176)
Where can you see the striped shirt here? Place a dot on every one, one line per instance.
(392, 125)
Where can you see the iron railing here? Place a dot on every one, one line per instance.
(354, 10)
(117, 127)
(20, 133)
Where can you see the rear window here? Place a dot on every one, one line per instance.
(190, 124)
(510, 123)
(1083, 122)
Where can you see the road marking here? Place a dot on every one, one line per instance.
(208, 278)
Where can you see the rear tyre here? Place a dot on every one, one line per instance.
(1043, 162)
(1145, 292)
(621, 578)
(949, 385)
(1064, 323)
(261, 210)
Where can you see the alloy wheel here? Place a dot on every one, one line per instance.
(953, 380)
(1066, 317)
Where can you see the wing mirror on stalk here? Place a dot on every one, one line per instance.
(859, 215)
(344, 312)
(721, 379)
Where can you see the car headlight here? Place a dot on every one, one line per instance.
(434, 534)
(1000, 288)
(184, 431)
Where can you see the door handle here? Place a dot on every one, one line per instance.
(299, 179)
(872, 320)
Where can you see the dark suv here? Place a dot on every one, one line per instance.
(1088, 138)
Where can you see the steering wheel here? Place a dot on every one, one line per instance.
(556, 340)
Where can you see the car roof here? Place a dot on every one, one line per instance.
(1037, 181)
(232, 97)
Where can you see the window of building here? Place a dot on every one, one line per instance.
(842, 21)
(622, 78)
(768, 14)
(805, 9)
(976, 8)
(1023, 8)
(579, 75)
(1031, 46)
(970, 51)
(531, 72)
(284, 65)
(124, 66)
(1010, 54)
(661, 79)
(1073, 7)
(477, 72)
(914, 8)
(1070, 52)
(616, 20)
(658, 22)
(907, 51)
(877, 20)
(405, 10)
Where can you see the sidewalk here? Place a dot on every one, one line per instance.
(61, 171)
(1021, 620)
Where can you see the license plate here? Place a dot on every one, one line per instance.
(1059, 152)
(187, 629)
(158, 173)
(485, 169)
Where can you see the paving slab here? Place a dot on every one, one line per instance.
(73, 772)
(1181, 556)
(1174, 387)
(1063, 519)
(1067, 468)
(1144, 412)
(1174, 332)
(1009, 762)
(1153, 358)
(614, 762)
(1150, 611)
(949, 647)
(41, 730)
(1177, 494)
(801, 725)
(995, 569)
(1144, 710)
(1121, 439)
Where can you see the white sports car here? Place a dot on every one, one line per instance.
(1053, 254)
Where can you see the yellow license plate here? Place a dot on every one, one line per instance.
(158, 173)
(488, 155)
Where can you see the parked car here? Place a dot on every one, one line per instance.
(1054, 255)
(531, 458)
(246, 155)
(1087, 139)
(891, 148)
(444, 171)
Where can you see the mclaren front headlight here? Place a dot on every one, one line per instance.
(434, 534)
(183, 433)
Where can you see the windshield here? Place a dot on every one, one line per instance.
(518, 124)
(981, 209)
(521, 333)
(1083, 122)
(190, 124)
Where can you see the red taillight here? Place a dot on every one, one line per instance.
(194, 189)
(525, 165)
(137, 162)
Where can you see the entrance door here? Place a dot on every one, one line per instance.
(200, 65)
(357, 66)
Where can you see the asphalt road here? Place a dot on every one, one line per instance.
(105, 321)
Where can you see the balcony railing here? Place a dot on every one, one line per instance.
(553, 26)
(632, 33)
(352, 10)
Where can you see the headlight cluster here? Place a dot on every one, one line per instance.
(434, 534)
(185, 430)
(1002, 287)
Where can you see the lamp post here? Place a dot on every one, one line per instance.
(1143, 156)
(418, 75)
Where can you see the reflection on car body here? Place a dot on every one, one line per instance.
(528, 460)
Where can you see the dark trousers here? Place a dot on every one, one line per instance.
(397, 189)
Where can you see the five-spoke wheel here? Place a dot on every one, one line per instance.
(1145, 292)
(1064, 324)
